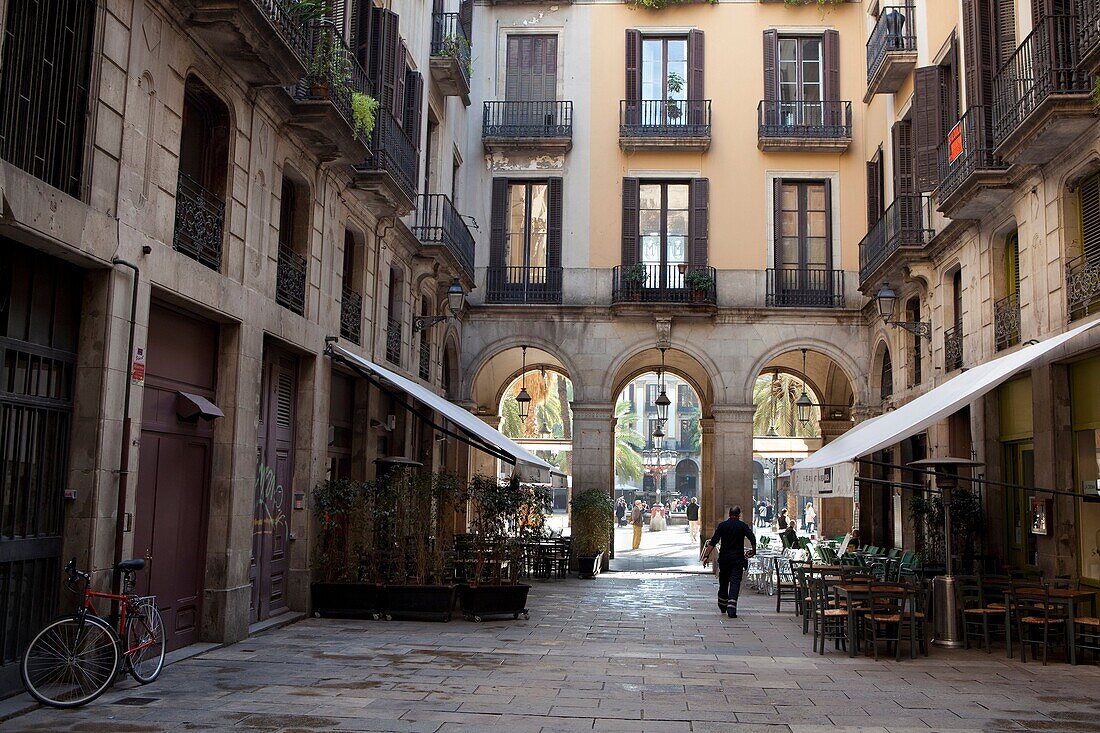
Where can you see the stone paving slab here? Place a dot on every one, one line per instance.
(627, 651)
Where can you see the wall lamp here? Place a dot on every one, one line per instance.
(886, 300)
(456, 301)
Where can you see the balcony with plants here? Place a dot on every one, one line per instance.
(973, 179)
(903, 231)
(387, 175)
(267, 42)
(525, 125)
(673, 123)
(801, 126)
(891, 50)
(1042, 99)
(440, 225)
(451, 62)
(641, 284)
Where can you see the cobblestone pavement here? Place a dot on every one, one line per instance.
(624, 652)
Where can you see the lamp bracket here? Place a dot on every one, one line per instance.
(421, 323)
(917, 328)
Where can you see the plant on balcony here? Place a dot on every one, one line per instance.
(675, 85)
(699, 281)
(363, 109)
(820, 3)
(330, 70)
(308, 11)
(662, 4)
(634, 277)
(593, 514)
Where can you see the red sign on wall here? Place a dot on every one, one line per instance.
(954, 143)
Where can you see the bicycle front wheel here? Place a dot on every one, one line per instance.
(145, 642)
(71, 661)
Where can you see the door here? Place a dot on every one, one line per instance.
(664, 81)
(803, 251)
(274, 481)
(663, 218)
(172, 495)
(531, 81)
(1019, 469)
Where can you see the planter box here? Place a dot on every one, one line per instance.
(590, 565)
(480, 602)
(347, 600)
(420, 601)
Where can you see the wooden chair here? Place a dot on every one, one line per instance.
(1086, 635)
(830, 622)
(786, 587)
(977, 617)
(1038, 621)
(890, 617)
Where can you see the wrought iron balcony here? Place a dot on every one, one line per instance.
(351, 314)
(519, 285)
(907, 222)
(200, 218)
(438, 223)
(891, 50)
(664, 124)
(1006, 321)
(450, 60)
(1083, 286)
(1088, 34)
(290, 280)
(973, 179)
(265, 41)
(663, 284)
(388, 175)
(804, 288)
(393, 341)
(534, 125)
(425, 365)
(953, 348)
(804, 126)
(1041, 97)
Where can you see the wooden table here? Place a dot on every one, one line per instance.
(1057, 597)
(853, 593)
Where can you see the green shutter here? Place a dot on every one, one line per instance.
(1088, 201)
(1012, 263)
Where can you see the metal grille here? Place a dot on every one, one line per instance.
(334, 73)
(1046, 63)
(805, 288)
(894, 31)
(967, 149)
(906, 223)
(393, 341)
(807, 120)
(449, 40)
(288, 25)
(438, 222)
(351, 314)
(1083, 287)
(550, 119)
(200, 217)
(425, 356)
(1006, 321)
(290, 280)
(1088, 25)
(672, 118)
(392, 151)
(44, 77)
(953, 348)
(660, 284)
(524, 285)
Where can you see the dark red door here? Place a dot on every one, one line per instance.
(274, 478)
(174, 470)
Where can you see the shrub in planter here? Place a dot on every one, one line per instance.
(634, 277)
(593, 513)
(342, 586)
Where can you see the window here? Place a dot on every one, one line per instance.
(663, 223)
(912, 309)
(290, 277)
(664, 68)
(649, 439)
(802, 237)
(532, 68)
(685, 396)
(876, 194)
(802, 74)
(394, 316)
(886, 376)
(525, 241)
(664, 73)
(425, 342)
(651, 398)
(525, 238)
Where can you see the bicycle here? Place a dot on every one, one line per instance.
(74, 659)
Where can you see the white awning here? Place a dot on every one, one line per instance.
(831, 471)
(529, 467)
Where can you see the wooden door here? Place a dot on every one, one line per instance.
(274, 478)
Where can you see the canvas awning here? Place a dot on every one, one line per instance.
(831, 471)
(529, 468)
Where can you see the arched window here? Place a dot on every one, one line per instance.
(912, 308)
(886, 376)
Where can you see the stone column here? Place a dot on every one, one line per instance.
(835, 514)
(593, 449)
(727, 463)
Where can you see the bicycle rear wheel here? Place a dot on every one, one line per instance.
(71, 661)
(145, 642)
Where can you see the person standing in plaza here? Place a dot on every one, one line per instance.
(811, 517)
(732, 559)
(620, 512)
(637, 517)
(693, 519)
(782, 519)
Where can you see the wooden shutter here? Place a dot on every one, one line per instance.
(633, 76)
(831, 52)
(631, 207)
(1004, 30)
(699, 223)
(777, 223)
(1012, 263)
(771, 65)
(1088, 201)
(466, 17)
(979, 61)
(531, 68)
(361, 36)
(414, 105)
(696, 62)
(385, 44)
(928, 117)
(400, 67)
(553, 223)
(498, 218)
(905, 184)
(338, 14)
(874, 190)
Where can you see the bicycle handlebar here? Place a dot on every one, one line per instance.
(74, 575)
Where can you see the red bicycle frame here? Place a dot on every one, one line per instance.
(125, 603)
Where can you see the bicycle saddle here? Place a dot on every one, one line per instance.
(130, 566)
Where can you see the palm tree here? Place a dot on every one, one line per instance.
(775, 396)
(628, 443)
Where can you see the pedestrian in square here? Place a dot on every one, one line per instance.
(637, 518)
(693, 519)
(732, 559)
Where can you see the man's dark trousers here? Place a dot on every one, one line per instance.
(730, 574)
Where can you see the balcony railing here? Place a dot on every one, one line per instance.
(673, 118)
(393, 341)
(523, 120)
(805, 288)
(391, 151)
(805, 120)
(894, 31)
(660, 284)
(1083, 286)
(200, 218)
(290, 280)
(351, 314)
(334, 73)
(1045, 64)
(425, 365)
(438, 222)
(953, 348)
(1088, 30)
(967, 150)
(524, 285)
(449, 40)
(289, 26)
(1006, 321)
(906, 223)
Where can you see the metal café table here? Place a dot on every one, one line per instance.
(1058, 597)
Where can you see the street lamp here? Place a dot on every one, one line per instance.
(886, 299)
(523, 399)
(456, 301)
(662, 402)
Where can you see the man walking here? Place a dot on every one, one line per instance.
(732, 559)
(636, 519)
(693, 519)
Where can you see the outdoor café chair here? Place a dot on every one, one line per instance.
(1039, 623)
(977, 617)
(890, 617)
(830, 621)
(1086, 633)
(786, 587)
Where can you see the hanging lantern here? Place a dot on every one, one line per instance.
(523, 399)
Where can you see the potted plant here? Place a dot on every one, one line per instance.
(330, 70)
(363, 109)
(699, 282)
(634, 277)
(592, 515)
(682, 267)
(675, 85)
(342, 584)
(304, 12)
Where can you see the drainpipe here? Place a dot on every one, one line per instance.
(124, 457)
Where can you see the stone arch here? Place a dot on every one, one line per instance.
(882, 351)
(696, 369)
(488, 367)
(842, 359)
